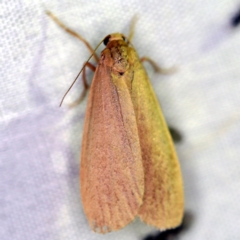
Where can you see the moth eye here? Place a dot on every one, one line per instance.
(106, 40)
(124, 39)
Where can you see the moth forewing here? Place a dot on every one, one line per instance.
(112, 175)
(163, 199)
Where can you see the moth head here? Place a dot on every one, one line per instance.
(114, 37)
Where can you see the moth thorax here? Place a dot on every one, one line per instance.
(120, 58)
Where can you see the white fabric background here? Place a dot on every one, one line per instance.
(40, 142)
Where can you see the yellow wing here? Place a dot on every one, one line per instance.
(111, 174)
(163, 199)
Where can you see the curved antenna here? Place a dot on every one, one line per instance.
(132, 27)
(79, 73)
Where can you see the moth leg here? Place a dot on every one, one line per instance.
(85, 85)
(158, 68)
(73, 33)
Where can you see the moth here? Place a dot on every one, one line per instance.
(129, 167)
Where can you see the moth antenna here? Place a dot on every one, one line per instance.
(132, 27)
(79, 73)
